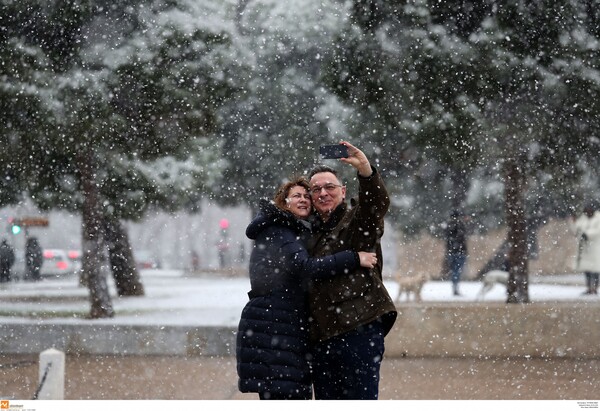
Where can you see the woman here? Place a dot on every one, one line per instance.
(272, 339)
(587, 229)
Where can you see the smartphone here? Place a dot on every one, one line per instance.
(334, 151)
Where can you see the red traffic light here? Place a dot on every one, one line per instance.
(224, 224)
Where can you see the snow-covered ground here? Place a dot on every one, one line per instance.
(174, 299)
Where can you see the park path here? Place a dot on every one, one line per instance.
(214, 378)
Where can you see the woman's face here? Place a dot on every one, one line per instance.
(298, 201)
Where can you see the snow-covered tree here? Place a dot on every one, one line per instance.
(452, 88)
(274, 129)
(131, 89)
(20, 108)
(407, 73)
(529, 50)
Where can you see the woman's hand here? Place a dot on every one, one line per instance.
(367, 260)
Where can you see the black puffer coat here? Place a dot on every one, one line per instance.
(273, 333)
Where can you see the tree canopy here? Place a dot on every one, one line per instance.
(173, 101)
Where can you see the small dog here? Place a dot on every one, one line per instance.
(490, 279)
(411, 284)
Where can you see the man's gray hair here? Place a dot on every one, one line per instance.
(322, 169)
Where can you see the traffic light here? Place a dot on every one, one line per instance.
(14, 225)
(224, 225)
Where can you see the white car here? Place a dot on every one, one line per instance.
(56, 263)
(75, 259)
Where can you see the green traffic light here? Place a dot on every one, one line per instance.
(16, 229)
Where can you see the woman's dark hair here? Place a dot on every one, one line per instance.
(284, 190)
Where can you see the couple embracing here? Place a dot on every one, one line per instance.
(318, 309)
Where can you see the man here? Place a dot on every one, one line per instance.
(7, 259)
(34, 258)
(456, 247)
(350, 315)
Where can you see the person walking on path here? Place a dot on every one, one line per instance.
(33, 259)
(272, 346)
(350, 315)
(7, 259)
(456, 248)
(587, 230)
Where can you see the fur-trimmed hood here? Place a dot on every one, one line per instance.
(269, 215)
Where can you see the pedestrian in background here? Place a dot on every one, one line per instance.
(33, 259)
(456, 247)
(587, 230)
(7, 259)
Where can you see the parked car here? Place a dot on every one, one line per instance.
(56, 263)
(75, 259)
(145, 260)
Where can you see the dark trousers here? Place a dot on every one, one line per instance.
(591, 280)
(4, 275)
(456, 263)
(346, 367)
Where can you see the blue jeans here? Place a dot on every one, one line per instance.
(346, 367)
(456, 262)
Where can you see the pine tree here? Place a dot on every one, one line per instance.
(464, 86)
(131, 93)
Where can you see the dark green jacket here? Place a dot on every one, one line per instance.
(338, 305)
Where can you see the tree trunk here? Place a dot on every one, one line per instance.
(101, 304)
(517, 286)
(122, 263)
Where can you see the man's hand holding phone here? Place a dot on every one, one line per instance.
(348, 154)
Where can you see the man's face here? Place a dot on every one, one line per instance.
(326, 192)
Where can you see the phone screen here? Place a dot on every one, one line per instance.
(334, 151)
